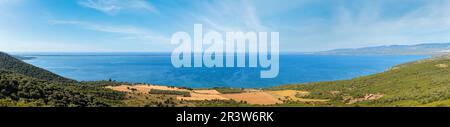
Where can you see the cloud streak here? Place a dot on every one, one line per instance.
(372, 23)
(304, 25)
(113, 7)
(130, 32)
(228, 15)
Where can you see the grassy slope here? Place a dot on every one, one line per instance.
(419, 83)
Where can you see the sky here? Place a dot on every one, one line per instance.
(147, 25)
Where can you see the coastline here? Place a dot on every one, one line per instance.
(293, 96)
(158, 70)
(366, 90)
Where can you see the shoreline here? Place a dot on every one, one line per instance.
(259, 83)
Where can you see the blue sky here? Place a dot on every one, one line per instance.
(147, 25)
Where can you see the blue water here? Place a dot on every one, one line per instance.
(156, 68)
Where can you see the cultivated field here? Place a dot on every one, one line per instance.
(250, 96)
(260, 98)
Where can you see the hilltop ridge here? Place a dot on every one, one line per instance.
(24, 85)
(419, 49)
(10, 63)
(420, 83)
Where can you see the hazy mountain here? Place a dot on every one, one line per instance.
(420, 49)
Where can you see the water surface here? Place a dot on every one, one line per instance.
(156, 68)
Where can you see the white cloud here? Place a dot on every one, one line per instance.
(5, 2)
(7, 6)
(39, 46)
(418, 26)
(228, 15)
(113, 7)
(130, 32)
(368, 25)
(271, 7)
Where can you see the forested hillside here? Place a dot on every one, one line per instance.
(13, 64)
(22, 84)
(420, 83)
(20, 90)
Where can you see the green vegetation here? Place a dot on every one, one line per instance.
(420, 83)
(20, 90)
(227, 90)
(222, 103)
(23, 85)
(136, 99)
(13, 64)
(413, 84)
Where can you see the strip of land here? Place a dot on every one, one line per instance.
(249, 96)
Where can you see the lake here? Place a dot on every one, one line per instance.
(156, 68)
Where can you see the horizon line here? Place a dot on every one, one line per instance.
(246, 52)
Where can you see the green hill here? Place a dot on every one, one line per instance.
(420, 83)
(10, 63)
(24, 85)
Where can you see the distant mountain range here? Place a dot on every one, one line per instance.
(420, 49)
